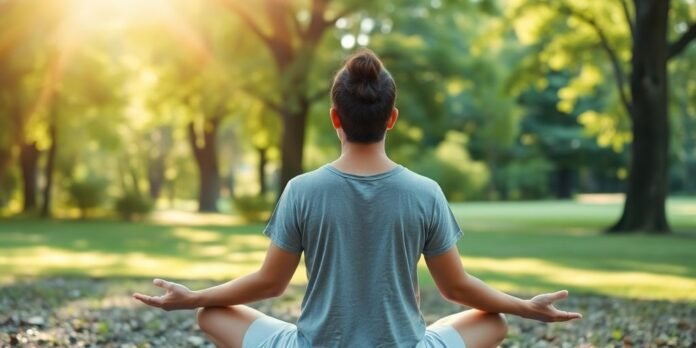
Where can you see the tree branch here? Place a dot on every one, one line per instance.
(619, 74)
(193, 141)
(629, 20)
(680, 44)
(268, 102)
(318, 24)
(248, 20)
(297, 25)
(343, 13)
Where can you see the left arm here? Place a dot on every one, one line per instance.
(270, 280)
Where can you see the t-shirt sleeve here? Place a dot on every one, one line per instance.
(283, 228)
(443, 231)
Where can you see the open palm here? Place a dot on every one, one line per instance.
(176, 296)
(542, 308)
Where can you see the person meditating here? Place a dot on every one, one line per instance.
(362, 222)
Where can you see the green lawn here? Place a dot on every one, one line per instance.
(521, 247)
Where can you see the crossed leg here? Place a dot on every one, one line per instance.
(226, 326)
(478, 329)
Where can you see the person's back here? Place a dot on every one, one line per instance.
(362, 237)
(362, 223)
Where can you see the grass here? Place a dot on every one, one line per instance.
(521, 247)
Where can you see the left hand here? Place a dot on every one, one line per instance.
(176, 296)
(541, 308)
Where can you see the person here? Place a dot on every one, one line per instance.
(362, 222)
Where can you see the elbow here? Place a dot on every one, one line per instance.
(275, 291)
(272, 289)
(268, 286)
(456, 292)
(452, 295)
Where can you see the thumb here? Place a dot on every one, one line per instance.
(161, 283)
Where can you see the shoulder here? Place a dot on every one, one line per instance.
(420, 183)
(309, 180)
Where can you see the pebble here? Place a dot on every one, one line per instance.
(36, 320)
(68, 312)
(195, 340)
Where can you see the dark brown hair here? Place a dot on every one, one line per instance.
(363, 93)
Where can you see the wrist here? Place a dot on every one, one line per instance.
(196, 299)
(523, 309)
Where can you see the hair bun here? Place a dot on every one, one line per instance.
(364, 66)
(363, 70)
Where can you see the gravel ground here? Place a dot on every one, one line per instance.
(82, 312)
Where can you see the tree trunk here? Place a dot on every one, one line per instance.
(161, 142)
(292, 143)
(155, 176)
(564, 183)
(688, 124)
(644, 208)
(205, 151)
(50, 164)
(5, 159)
(263, 160)
(492, 162)
(29, 159)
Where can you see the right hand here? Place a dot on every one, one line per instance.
(541, 308)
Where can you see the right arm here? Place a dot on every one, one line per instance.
(458, 286)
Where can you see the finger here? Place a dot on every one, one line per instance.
(558, 295)
(162, 283)
(154, 301)
(565, 316)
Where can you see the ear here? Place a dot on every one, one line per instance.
(335, 120)
(392, 118)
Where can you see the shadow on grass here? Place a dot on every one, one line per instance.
(537, 246)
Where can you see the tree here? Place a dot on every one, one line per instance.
(28, 71)
(643, 95)
(293, 47)
(644, 208)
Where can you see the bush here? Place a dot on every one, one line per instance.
(253, 208)
(451, 166)
(133, 204)
(87, 194)
(526, 178)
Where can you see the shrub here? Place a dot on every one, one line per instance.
(526, 178)
(87, 194)
(133, 205)
(253, 208)
(451, 166)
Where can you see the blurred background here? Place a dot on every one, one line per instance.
(152, 138)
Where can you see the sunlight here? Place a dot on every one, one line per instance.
(196, 236)
(652, 285)
(188, 218)
(92, 14)
(43, 260)
(92, 17)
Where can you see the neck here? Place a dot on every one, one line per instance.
(365, 159)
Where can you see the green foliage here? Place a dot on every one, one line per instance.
(450, 165)
(253, 208)
(525, 178)
(133, 204)
(87, 194)
(527, 82)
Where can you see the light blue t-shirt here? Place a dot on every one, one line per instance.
(362, 237)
